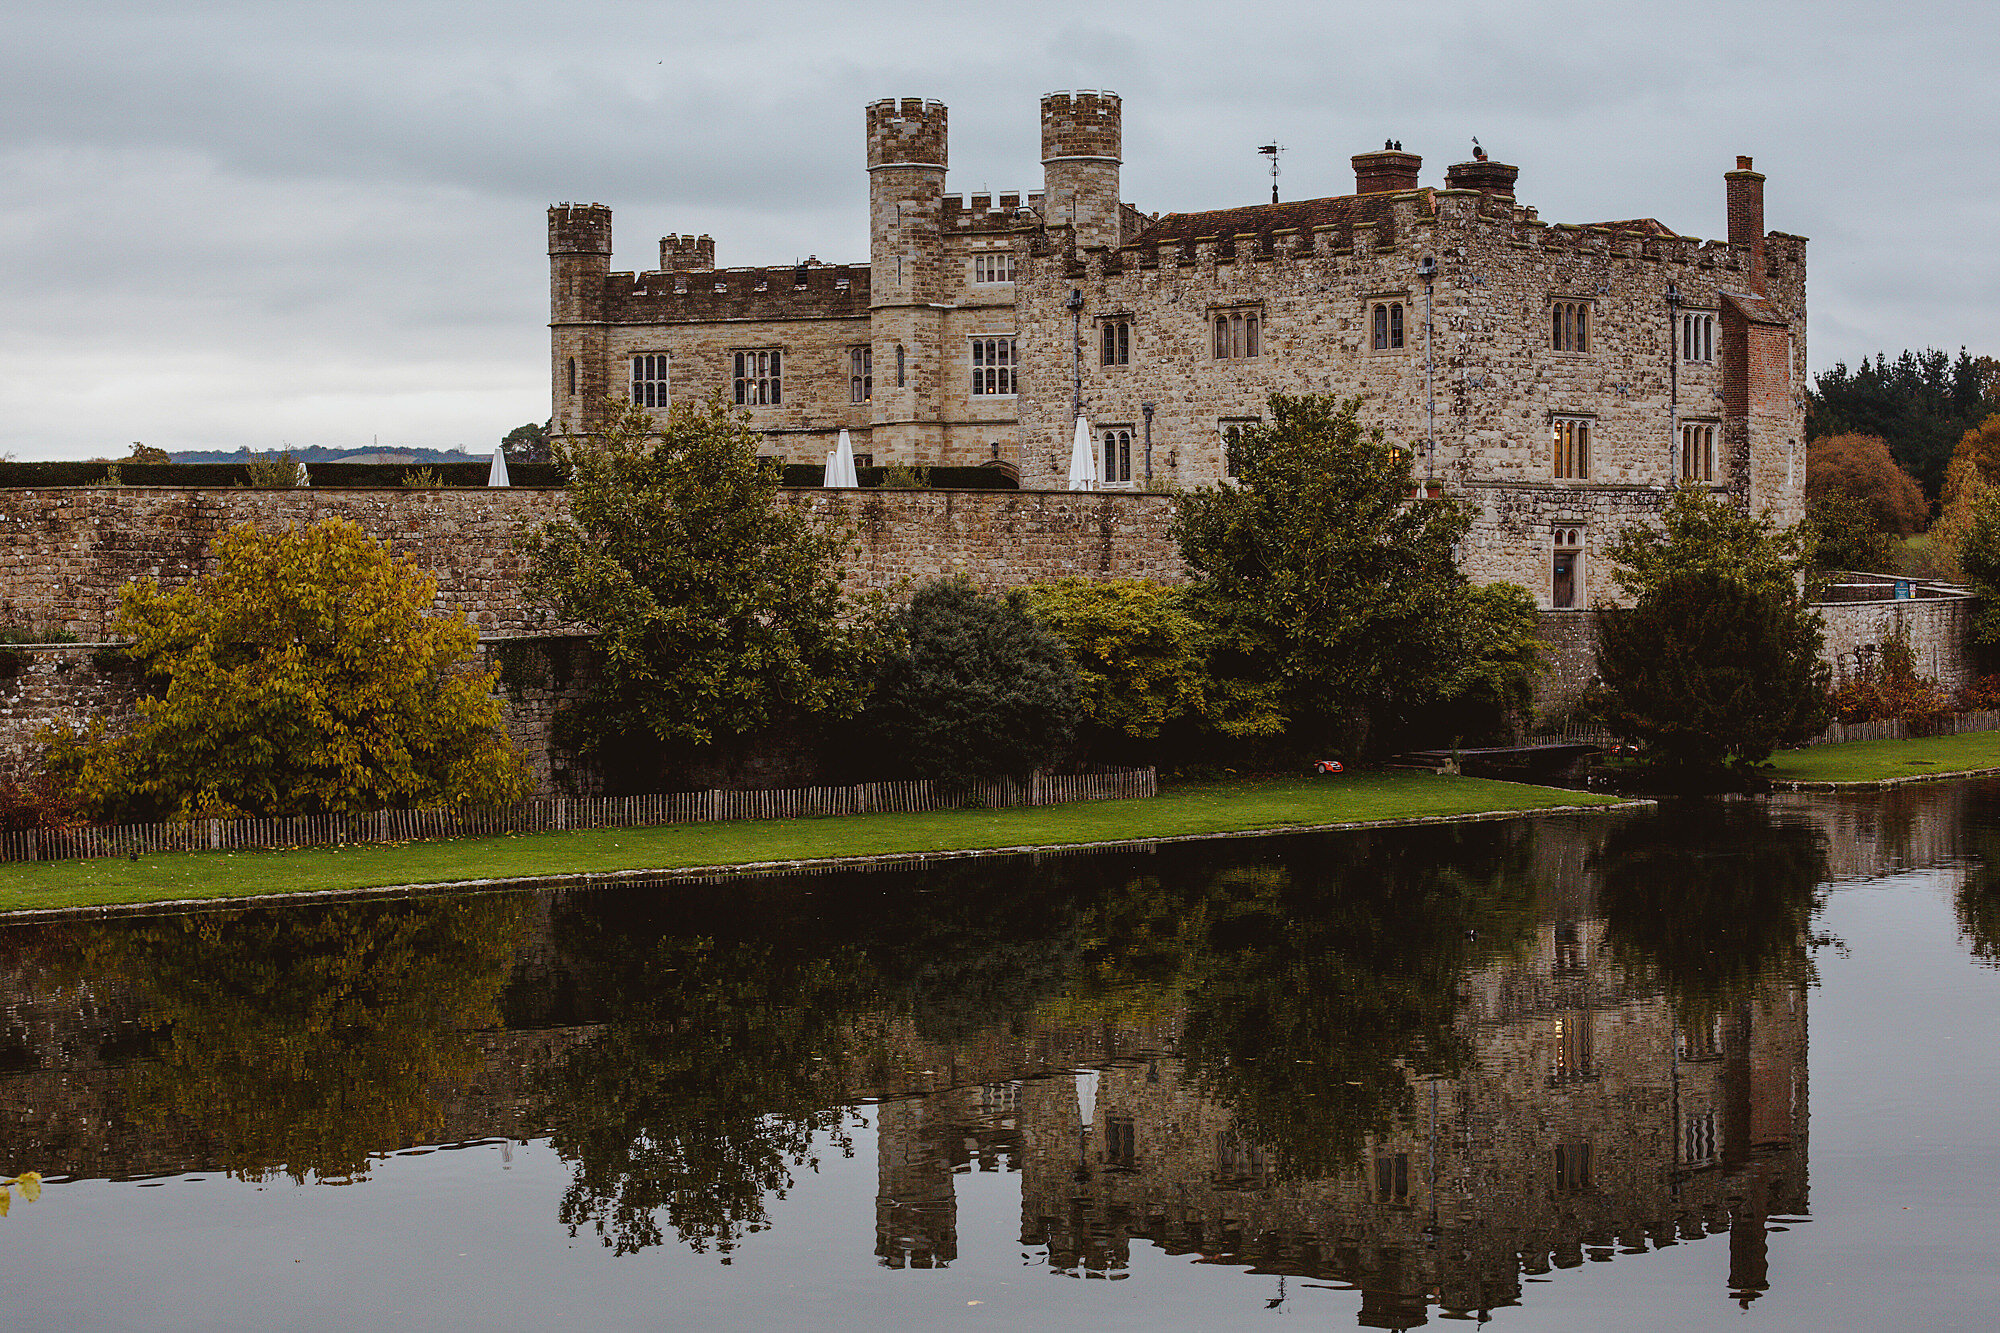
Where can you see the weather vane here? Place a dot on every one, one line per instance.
(1271, 150)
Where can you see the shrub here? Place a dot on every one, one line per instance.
(975, 688)
(1886, 685)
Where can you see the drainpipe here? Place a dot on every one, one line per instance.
(1147, 409)
(1427, 270)
(1673, 383)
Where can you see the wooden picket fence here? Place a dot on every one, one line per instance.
(1882, 729)
(688, 807)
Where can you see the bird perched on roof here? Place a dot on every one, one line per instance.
(1478, 153)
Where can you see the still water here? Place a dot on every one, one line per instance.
(1715, 1064)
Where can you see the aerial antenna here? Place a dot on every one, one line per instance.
(1271, 150)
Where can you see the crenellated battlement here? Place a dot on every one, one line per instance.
(781, 291)
(679, 254)
(1087, 123)
(579, 229)
(981, 212)
(907, 131)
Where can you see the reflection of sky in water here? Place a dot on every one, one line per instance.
(1905, 1191)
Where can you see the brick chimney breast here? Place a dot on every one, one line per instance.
(1378, 173)
(1496, 178)
(1745, 193)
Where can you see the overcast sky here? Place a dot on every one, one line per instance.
(236, 223)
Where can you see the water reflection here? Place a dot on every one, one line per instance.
(1429, 1065)
(297, 1042)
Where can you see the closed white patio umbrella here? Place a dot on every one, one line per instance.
(844, 452)
(1082, 459)
(497, 474)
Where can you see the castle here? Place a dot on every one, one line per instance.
(1560, 378)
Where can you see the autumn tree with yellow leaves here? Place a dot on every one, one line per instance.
(305, 675)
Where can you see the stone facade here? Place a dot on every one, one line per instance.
(1473, 331)
(69, 551)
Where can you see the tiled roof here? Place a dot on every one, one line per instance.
(1344, 212)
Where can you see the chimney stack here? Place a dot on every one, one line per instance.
(1746, 217)
(1495, 178)
(1390, 169)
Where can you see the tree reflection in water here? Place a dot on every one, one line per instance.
(304, 1041)
(1712, 897)
(1312, 976)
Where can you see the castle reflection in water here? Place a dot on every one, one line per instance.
(1610, 1057)
(1590, 1124)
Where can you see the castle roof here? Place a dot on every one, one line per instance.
(1343, 212)
(1644, 226)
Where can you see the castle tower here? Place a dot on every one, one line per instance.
(579, 262)
(907, 285)
(1082, 134)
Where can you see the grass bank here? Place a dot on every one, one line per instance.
(1885, 761)
(1180, 811)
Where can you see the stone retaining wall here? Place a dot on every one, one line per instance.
(68, 551)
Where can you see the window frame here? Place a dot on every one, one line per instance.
(985, 265)
(1571, 325)
(997, 375)
(1570, 445)
(1225, 430)
(861, 374)
(1697, 452)
(1236, 332)
(757, 376)
(1114, 454)
(1568, 539)
(1388, 325)
(651, 380)
(1114, 340)
(1697, 337)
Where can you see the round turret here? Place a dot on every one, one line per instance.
(1082, 136)
(905, 132)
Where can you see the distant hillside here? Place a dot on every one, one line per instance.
(321, 454)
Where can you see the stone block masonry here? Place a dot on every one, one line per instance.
(69, 551)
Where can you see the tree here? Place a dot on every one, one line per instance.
(527, 444)
(717, 609)
(975, 688)
(1860, 468)
(1846, 534)
(146, 453)
(303, 676)
(1719, 657)
(1137, 651)
(1335, 600)
(1979, 557)
(1920, 403)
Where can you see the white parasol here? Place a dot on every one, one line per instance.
(1082, 459)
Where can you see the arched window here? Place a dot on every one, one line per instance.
(1698, 452)
(1569, 326)
(1571, 445)
(1238, 335)
(1388, 326)
(1116, 468)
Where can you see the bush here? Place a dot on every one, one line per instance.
(1887, 685)
(975, 688)
(41, 803)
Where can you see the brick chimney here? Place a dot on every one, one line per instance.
(1746, 217)
(1486, 177)
(1390, 169)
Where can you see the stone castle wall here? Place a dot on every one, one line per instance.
(69, 551)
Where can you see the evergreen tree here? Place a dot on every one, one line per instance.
(717, 609)
(976, 688)
(1719, 658)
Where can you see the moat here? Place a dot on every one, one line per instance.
(1715, 1063)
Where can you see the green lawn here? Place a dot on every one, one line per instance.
(1874, 761)
(1182, 810)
